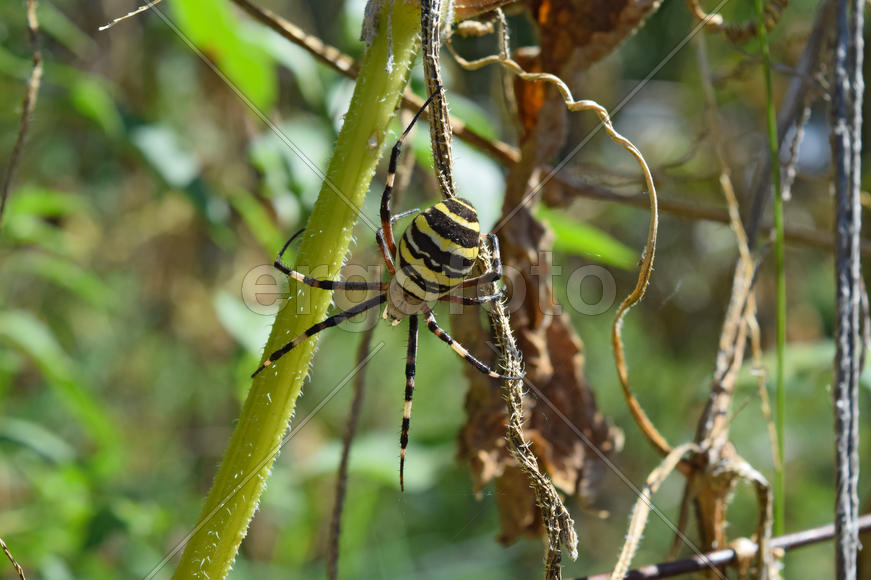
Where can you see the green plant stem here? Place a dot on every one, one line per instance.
(779, 483)
(241, 478)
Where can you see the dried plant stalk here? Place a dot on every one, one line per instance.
(643, 506)
(508, 155)
(738, 33)
(439, 117)
(18, 569)
(129, 15)
(558, 523)
(646, 270)
(720, 466)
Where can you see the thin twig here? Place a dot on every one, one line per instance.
(789, 167)
(342, 475)
(721, 469)
(27, 104)
(141, 9)
(18, 569)
(681, 525)
(558, 523)
(728, 556)
(713, 427)
(568, 188)
(762, 381)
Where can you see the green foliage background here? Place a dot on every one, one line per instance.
(148, 192)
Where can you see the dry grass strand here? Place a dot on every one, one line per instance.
(643, 505)
(18, 569)
(129, 15)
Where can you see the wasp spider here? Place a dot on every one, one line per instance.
(435, 255)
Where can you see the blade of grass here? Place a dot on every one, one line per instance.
(241, 478)
(779, 483)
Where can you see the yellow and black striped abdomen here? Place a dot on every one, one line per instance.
(438, 249)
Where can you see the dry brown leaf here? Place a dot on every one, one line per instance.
(559, 404)
(562, 420)
(575, 34)
(466, 9)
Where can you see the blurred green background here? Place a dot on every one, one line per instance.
(148, 194)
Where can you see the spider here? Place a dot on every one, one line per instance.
(435, 254)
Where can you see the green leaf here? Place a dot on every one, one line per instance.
(296, 59)
(581, 239)
(28, 207)
(283, 166)
(257, 220)
(34, 338)
(91, 99)
(44, 202)
(38, 439)
(248, 328)
(165, 151)
(56, 24)
(213, 28)
(65, 274)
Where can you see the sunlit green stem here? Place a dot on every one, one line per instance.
(779, 484)
(241, 478)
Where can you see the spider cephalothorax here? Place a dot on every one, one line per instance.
(435, 255)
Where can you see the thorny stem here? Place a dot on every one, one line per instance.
(242, 476)
(439, 117)
(558, 523)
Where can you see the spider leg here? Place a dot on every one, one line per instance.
(317, 283)
(386, 222)
(459, 348)
(472, 300)
(328, 323)
(410, 368)
(385, 252)
(496, 274)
